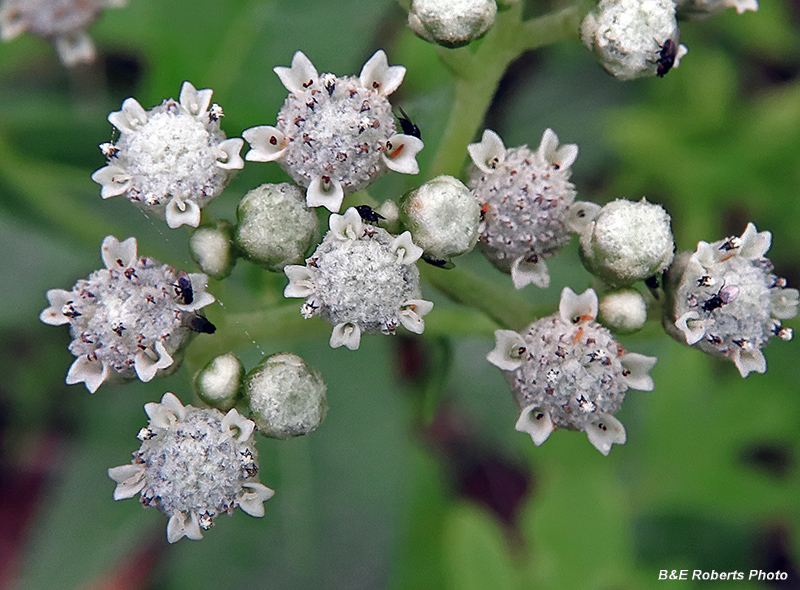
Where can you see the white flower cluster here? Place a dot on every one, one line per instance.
(193, 464)
(336, 135)
(726, 300)
(129, 319)
(171, 160)
(568, 371)
(360, 279)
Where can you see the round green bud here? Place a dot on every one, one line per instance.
(287, 398)
(623, 311)
(211, 247)
(451, 23)
(220, 381)
(443, 217)
(275, 227)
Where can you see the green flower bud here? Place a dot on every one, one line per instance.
(452, 23)
(220, 381)
(211, 247)
(623, 311)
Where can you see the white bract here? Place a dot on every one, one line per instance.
(171, 160)
(568, 371)
(64, 22)
(627, 241)
(451, 23)
(336, 135)
(193, 464)
(527, 204)
(360, 279)
(630, 37)
(725, 299)
(128, 320)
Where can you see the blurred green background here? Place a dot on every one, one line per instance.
(417, 478)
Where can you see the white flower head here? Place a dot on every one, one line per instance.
(451, 23)
(627, 241)
(336, 135)
(567, 371)
(726, 300)
(634, 39)
(525, 200)
(171, 160)
(361, 280)
(130, 319)
(63, 22)
(193, 464)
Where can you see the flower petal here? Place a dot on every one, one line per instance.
(536, 422)
(606, 431)
(692, 326)
(130, 480)
(754, 243)
(229, 158)
(412, 312)
(748, 360)
(75, 48)
(784, 303)
(12, 23)
(195, 101)
(166, 412)
(267, 144)
(401, 152)
(562, 157)
(347, 226)
(346, 334)
(524, 271)
(234, 421)
(146, 367)
(254, 494)
(113, 181)
(182, 212)
(130, 118)
(200, 298)
(638, 367)
(581, 214)
(301, 75)
(489, 153)
(118, 254)
(405, 248)
(324, 191)
(92, 373)
(300, 281)
(380, 76)
(577, 308)
(509, 351)
(54, 315)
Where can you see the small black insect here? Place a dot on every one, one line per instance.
(408, 126)
(666, 57)
(653, 284)
(183, 290)
(198, 323)
(369, 214)
(445, 264)
(731, 244)
(723, 296)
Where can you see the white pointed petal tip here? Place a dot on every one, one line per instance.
(182, 212)
(324, 191)
(509, 351)
(412, 312)
(680, 54)
(300, 76)
(536, 422)
(75, 48)
(116, 254)
(12, 25)
(378, 75)
(54, 315)
(530, 270)
(705, 255)
(200, 298)
(113, 181)
(146, 366)
(347, 226)
(237, 425)
(401, 152)
(130, 117)
(406, 250)
(605, 432)
(563, 157)
(784, 303)
(748, 360)
(575, 309)
(195, 101)
(129, 480)
(166, 412)
(229, 158)
(636, 370)
(300, 281)
(267, 144)
(254, 494)
(181, 525)
(581, 214)
(489, 153)
(755, 243)
(692, 326)
(346, 334)
(91, 373)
